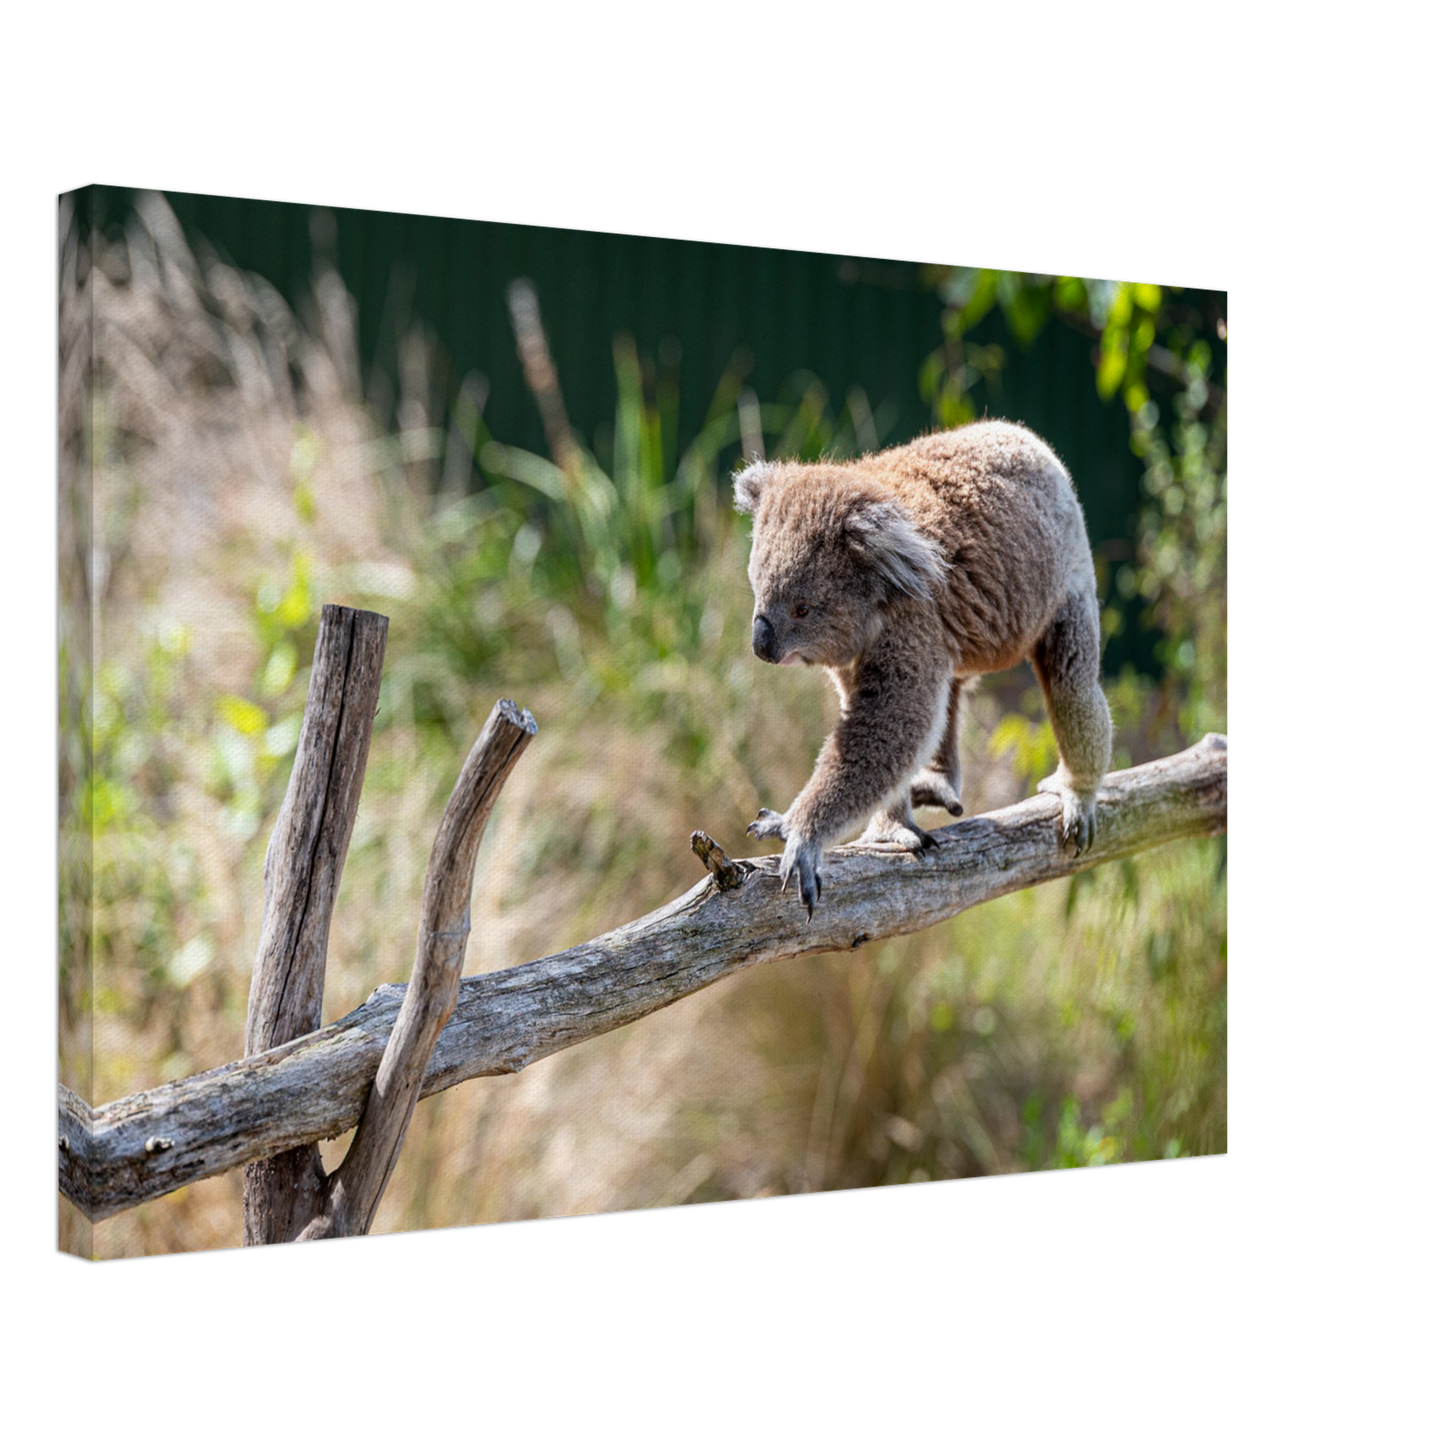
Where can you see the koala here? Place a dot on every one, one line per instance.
(905, 574)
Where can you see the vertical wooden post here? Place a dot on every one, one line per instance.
(303, 869)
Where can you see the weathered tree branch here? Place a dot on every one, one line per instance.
(316, 1087)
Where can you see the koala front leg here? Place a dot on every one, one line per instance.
(1066, 661)
(895, 705)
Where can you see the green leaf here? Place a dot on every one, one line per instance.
(1113, 358)
(245, 716)
(1146, 296)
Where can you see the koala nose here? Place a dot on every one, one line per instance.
(763, 638)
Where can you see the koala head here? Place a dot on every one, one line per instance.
(831, 553)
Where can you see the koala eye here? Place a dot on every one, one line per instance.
(801, 610)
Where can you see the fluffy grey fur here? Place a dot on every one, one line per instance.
(905, 573)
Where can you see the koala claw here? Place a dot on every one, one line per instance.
(768, 824)
(802, 858)
(1080, 822)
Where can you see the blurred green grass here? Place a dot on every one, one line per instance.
(239, 482)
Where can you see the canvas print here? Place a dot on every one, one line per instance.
(555, 722)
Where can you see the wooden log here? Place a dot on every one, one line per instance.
(316, 1087)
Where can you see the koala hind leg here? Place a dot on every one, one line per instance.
(893, 826)
(937, 784)
(1066, 661)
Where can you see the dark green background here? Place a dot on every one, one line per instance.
(849, 321)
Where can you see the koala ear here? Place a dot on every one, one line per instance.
(884, 537)
(749, 483)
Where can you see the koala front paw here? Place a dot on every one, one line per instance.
(1080, 823)
(802, 857)
(769, 824)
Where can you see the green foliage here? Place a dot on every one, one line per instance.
(1180, 571)
(1030, 743)
(146, 872)
(618, 576)
(1034, 1032)
(253, 738)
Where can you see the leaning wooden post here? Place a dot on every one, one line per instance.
(355, 1189)
(303, 869)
